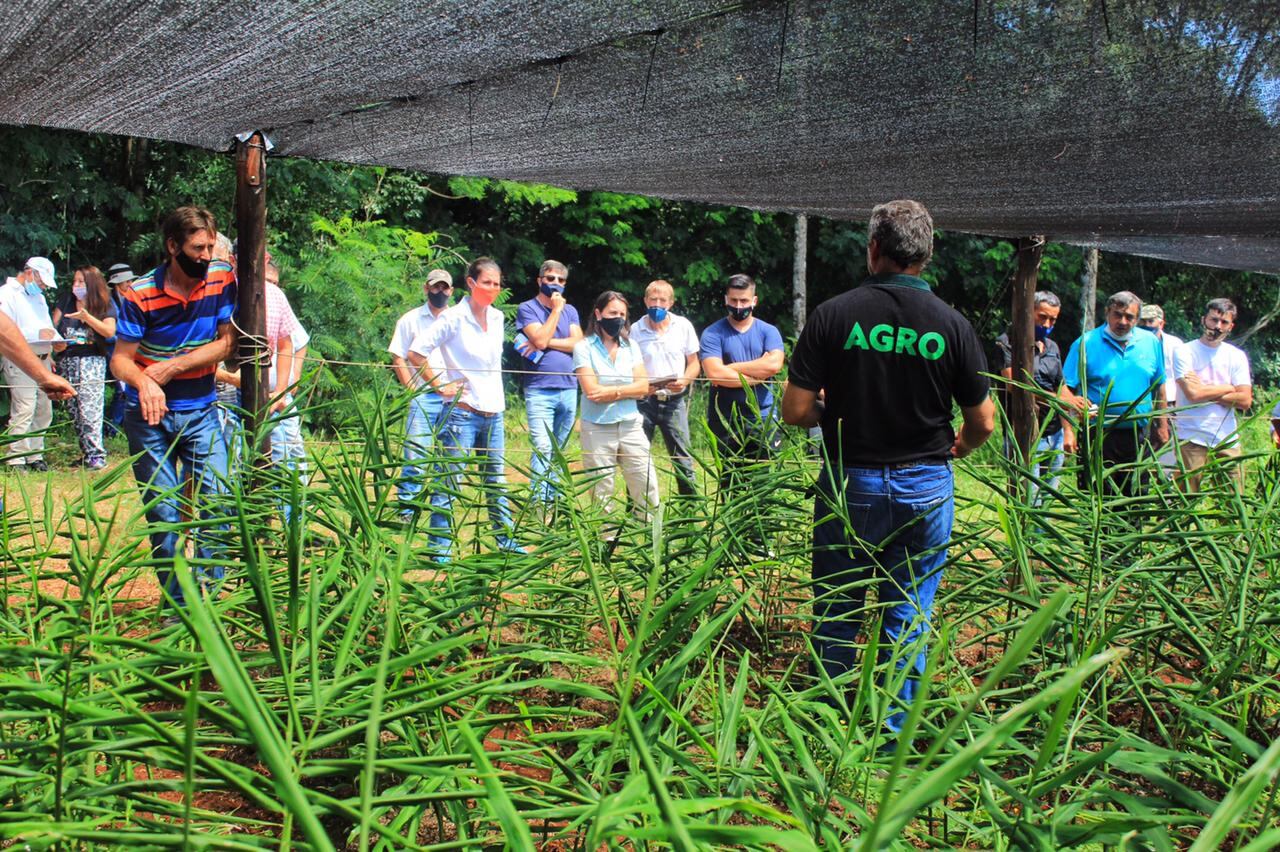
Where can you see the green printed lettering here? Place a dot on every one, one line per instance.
(882, 337)
(932, 345)
(856, 338)
(906, 341)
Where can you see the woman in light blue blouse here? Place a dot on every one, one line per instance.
(611, 373)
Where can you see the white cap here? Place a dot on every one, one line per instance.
(44, 270)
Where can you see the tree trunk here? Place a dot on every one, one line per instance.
(799, 284)
(133, 156)
(1089, 291)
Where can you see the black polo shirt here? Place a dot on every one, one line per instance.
(891, 357)
(1046, 372)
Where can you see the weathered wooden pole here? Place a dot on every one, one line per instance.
(799, 273)
(1022, 340)
(251, 267)
(1089, 291)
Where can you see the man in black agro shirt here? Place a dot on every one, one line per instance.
(890, 357)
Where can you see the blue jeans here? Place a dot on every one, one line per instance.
(115, 412)
(288, 452)
(889, 527)
(468, 433)
(195, 440)
(551, 413)
(419, 427)
(1046, 459)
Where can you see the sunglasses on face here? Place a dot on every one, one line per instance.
(554, 279)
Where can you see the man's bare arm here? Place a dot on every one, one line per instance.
(210, 354)
(766, 366)
(15, 348)
(724, 375)
(151, 398)
(404, 373)
(800, 407)
(979, 424)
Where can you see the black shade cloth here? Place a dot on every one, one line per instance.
(1143, 127)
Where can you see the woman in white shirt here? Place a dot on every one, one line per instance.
(611, 373)
(469, 338)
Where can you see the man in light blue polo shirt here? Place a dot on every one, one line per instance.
(1121, 369)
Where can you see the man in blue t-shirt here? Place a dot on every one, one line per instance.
(1116, 370)
(550, 327)
(740, 355)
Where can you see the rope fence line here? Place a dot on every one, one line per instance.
(386, 366)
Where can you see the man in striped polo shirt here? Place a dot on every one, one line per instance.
(173, 330)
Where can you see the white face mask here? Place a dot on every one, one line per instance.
(79, 291)
(1122, 337)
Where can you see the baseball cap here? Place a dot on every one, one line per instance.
(439, 276)
(44, 269)
(119, 273)
(1151, 312)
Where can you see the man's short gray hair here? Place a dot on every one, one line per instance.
(1044, 297)
(553, 266)
(1122, 300)
(904, 231)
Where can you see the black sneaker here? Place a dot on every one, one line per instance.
(38, 466)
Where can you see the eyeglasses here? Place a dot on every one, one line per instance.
(555, 279)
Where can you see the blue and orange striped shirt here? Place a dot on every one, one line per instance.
(165, 325)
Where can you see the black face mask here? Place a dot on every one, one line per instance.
(193, 268)
(611, 326)
(740, 314)
(438, 299)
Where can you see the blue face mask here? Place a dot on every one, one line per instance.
(549, 289)
(1043, 332)
(33, 289)
(657, 314)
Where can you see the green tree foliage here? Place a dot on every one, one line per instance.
(83, 198)
(352, 282)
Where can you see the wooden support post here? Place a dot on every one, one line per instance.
(799, 273)
(251, 268)
(1022, 337)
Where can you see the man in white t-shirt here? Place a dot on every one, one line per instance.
(30, 412)
(670, 349)
(426, 406)
(1151, 317)
(1213, 381)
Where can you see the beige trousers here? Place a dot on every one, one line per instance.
(29, 411)
(1195, 457)
(620, 445)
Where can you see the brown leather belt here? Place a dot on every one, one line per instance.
(471, 409)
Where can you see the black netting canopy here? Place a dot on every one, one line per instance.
(1144, 127)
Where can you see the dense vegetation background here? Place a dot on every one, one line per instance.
(353, 242)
